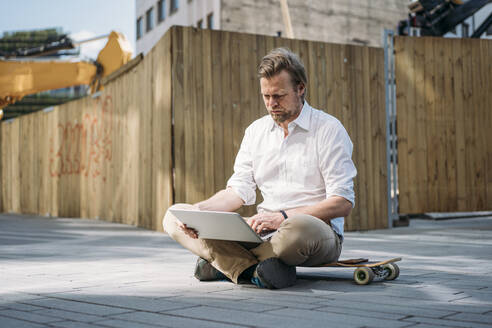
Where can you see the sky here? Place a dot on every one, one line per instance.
(81, 19)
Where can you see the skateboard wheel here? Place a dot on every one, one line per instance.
(363, 276)
(392, 270)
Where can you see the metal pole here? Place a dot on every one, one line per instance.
(391, 150)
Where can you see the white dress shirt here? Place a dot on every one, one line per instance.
(312, 163)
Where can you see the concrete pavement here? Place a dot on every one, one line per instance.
(89, 273)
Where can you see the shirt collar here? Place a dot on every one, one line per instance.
(302, 120)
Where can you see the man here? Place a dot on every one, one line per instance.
(300, 159)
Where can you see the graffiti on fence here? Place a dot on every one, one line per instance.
(82, 148)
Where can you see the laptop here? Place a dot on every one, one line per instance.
(220, 225)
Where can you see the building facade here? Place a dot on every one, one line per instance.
(339, 21)
(155, 17)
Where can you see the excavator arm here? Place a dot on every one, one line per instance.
(21, 78)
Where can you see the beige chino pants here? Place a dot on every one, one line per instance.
(302, 240)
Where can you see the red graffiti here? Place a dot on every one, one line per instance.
(83, 147)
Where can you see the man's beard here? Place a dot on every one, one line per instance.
(280, 118)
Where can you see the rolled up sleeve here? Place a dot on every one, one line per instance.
(242, 180)
(336, 163)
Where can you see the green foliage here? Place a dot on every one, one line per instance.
(12, 41)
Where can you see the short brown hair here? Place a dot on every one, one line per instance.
(280, 59)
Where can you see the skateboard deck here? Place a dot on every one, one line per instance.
(366, 270)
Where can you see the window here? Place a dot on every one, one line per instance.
(200, 23)
(465, 30)
(139, 28)
(489, 31)
(161, 10)
(174, 6)
(210, 21)
(149, 18)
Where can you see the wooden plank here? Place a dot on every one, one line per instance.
(311, 67)
(366, 138)
(6, 175)
(246, 73)
(431, 97)
(420, 178)
(51, 179)
(190, 94)
(359, 117)
(178, 110)
(404, 95)
(322, 68)
(439, 131)
(162, 133)
(73, 141)
(258, 104)
(481, 148)
(15, 167)
(486, 54)
(119, 174)
(245, 93)
(9, 170)
(238, 127)
(336, 108)
(217, 113)
(196, 150)
(38, 141)
(208, 128)
(24, 162)
(468, 115)
(488, 68)
(379, 122)
(44, 192)
(329, 79)
(133, 161)
(410, 123)
(347, 118)
(459, 121)
(227, 87)
(146, 118)
(449, 200)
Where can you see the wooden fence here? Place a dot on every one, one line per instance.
(216, 96)
(102, 157)
(444, 117)
(173, 124)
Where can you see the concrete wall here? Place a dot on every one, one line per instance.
(188, 14)
(340, 21)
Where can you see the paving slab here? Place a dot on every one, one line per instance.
(116, 323)
(60, 272)
(28, 316)
(175, 320)
(74, 324)
(11, 322)
(69, 315)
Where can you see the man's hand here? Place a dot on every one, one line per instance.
(265, 221)
(190, 232)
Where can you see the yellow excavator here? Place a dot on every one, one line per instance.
(21, 78)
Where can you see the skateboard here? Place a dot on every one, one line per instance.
(366, 270)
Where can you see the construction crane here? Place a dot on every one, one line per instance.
(438, 17)
(19, 78)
